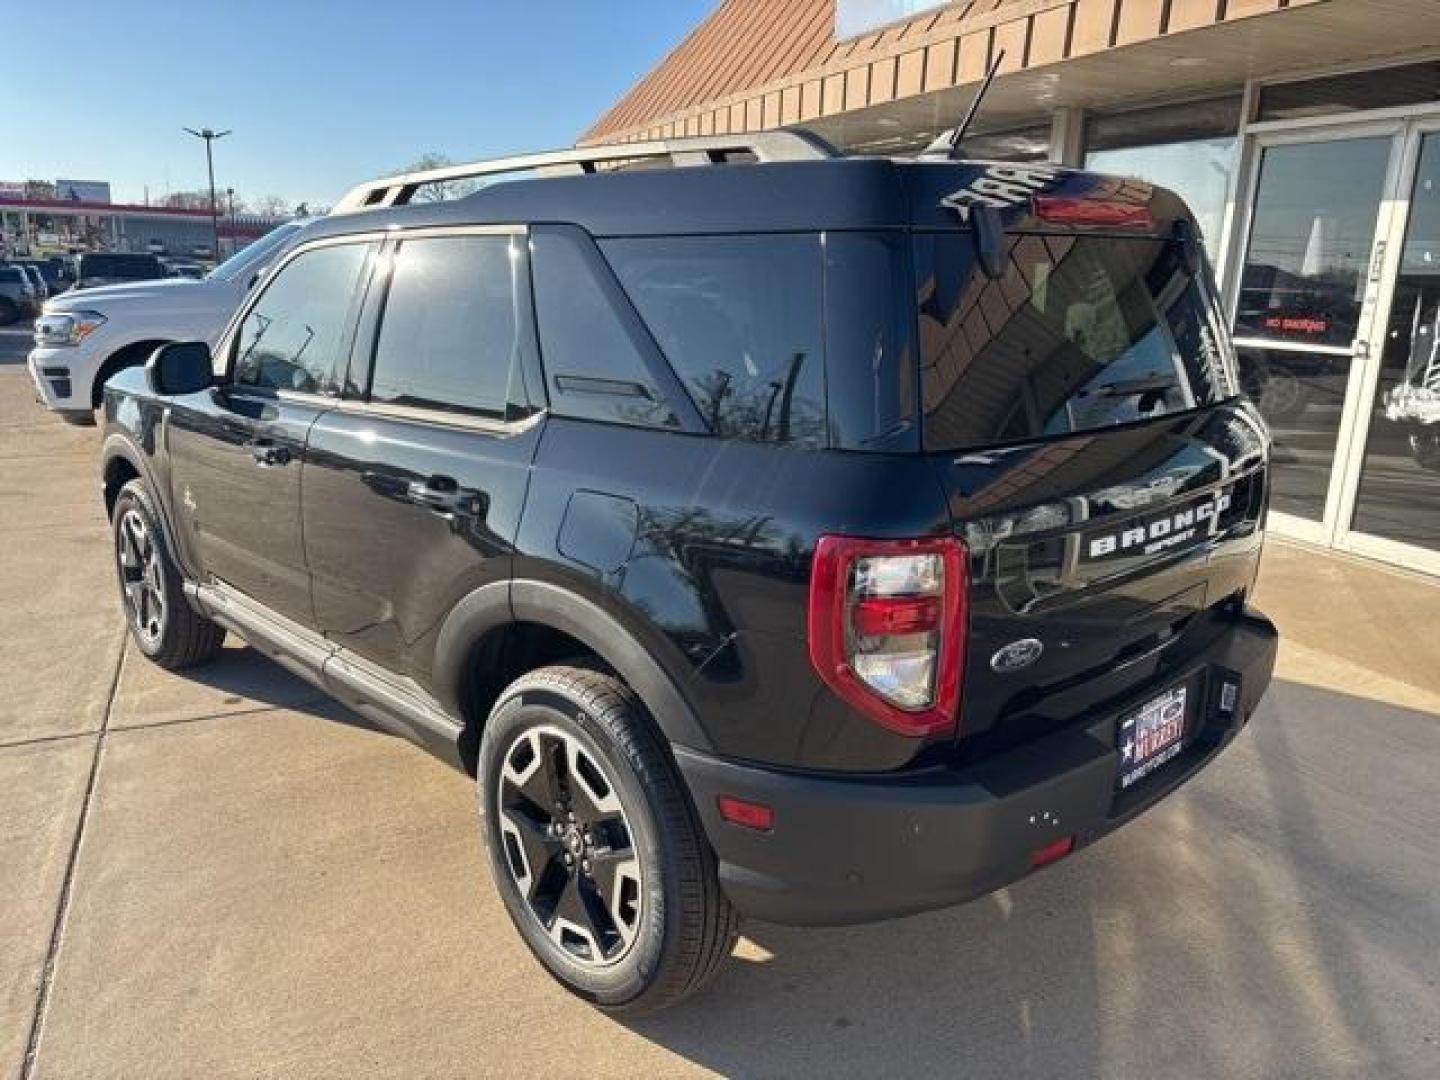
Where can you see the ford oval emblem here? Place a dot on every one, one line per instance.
(1017, 655)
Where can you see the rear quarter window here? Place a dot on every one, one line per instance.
(593, 350)
(739, 319)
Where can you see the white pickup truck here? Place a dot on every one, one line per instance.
(86, 335)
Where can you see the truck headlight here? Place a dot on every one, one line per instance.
(67, 328)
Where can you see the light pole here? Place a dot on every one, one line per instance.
(210, 136)
(234, 238)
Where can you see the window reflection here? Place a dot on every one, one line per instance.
(1198, 171)
(1399, 494)
(1314, 222)
(1301, 395)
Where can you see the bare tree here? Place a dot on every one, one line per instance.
(440, 190)
(187, 200)
(271, 206)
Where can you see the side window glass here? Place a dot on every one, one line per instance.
(294, 336)
(593, 367)
(739, 318)
(450, 333)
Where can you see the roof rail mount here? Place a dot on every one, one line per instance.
(784, 144)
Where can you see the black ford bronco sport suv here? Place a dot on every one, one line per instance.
(775, 533)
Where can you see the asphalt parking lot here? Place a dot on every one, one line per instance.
(227, 875)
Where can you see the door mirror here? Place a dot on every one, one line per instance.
(181, 367)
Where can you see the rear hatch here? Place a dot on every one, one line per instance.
(1081, 408)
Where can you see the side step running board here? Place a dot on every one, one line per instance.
(398, 706)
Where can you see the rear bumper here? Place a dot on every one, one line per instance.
(855, 850)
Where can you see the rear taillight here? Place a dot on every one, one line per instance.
(887, 628)
(1101, 213)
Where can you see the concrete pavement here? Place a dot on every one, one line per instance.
(227, 875)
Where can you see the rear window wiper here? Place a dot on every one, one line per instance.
(1158, 384)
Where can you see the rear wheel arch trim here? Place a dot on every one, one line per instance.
(527, 601)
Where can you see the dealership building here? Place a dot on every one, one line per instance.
(74, 216)
(1305, 135)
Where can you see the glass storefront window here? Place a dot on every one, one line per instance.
(1302, 287)
(1399, 496)
(1020, 144)
(1188, 148)
(1302, 397)
(1410, 84)
(1314, 223)
(1198, 171)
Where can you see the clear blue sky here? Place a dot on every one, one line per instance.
(320, 93)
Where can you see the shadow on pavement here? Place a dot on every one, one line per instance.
(1275, 918)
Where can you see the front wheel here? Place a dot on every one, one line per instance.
(162, 622)
(594, 846)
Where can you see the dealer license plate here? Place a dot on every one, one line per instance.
(1150, 736)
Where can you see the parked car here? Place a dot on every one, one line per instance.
(85, 336)
(54, 270)
(817, 539)
(32, 272)
(110, 268)
(18, 298)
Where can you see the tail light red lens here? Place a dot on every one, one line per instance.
(887, 628)
(1101, 213)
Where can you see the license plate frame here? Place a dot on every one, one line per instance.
(1152, 736)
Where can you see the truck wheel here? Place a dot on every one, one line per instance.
(594, 846)
(162, 622)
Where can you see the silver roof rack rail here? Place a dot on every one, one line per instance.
(764, 146)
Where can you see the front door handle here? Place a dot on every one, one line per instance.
(440, 493)
(266, 453)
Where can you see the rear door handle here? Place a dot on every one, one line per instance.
(440, 493)
(266, 453)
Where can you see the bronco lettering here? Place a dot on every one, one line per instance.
(1162, 533)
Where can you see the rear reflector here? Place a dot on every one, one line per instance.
(749, 814)
(1052, 852)
(1102, 213)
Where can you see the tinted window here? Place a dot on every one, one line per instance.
(1411, 84)
(253, 256)
(1080, 334)
(11, 274)
(870, 341)
(126, 266)
(449, 335)
(739, 320)
(294, 335)
(592, 348)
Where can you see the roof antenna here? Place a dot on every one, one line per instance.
(960, 131)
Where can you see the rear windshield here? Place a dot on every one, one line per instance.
(130, 266)
(1081, 333)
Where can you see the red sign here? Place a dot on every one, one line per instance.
(1297, 324)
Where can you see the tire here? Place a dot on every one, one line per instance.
(152, 593)
(662, 927)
